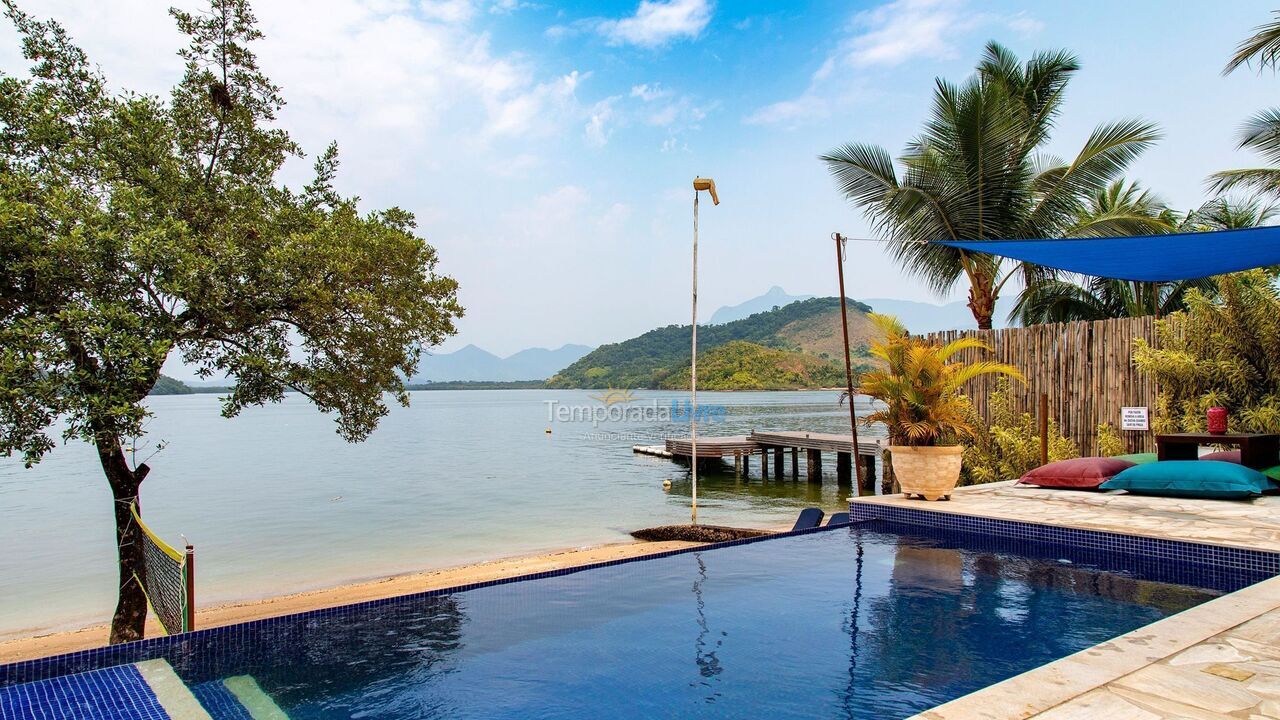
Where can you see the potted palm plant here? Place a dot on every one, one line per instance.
(924, 410)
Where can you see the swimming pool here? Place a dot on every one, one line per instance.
(875, 621)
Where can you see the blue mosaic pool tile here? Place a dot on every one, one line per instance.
(219, 702)
(207, 655)
(112, 693)
(204, 655)
(1215, 556)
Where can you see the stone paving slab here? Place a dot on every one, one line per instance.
(1217, 660)
(1252, 524)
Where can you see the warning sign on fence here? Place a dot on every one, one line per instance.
(1134, 418)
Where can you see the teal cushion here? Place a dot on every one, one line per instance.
(1192, 479)
(1138, 458)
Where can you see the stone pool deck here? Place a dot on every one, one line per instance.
(1215, 661)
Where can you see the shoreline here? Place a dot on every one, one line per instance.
(92, 636)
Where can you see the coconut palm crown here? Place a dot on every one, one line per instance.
(1261, 133)
(920, 384)
(977, 171)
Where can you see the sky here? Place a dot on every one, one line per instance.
(547, 148)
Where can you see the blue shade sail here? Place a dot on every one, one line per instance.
(1146, 258)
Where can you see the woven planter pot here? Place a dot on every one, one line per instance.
(930, 472)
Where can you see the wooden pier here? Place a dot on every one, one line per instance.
(772, 448)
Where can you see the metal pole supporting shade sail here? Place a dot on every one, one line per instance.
(1143, 258)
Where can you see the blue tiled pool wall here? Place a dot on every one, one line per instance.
(1261, 563)
(113, 692)
(216, 652)
(1176, 572)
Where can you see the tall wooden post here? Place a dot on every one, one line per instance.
(778, 472)
(1044, 429)
(848, 362)
(190, 578)
(842, 468)
(814, 469)
(795, 463)
(764, 463)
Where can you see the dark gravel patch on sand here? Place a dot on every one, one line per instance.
(696, 533)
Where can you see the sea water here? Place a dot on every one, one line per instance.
(276, 502)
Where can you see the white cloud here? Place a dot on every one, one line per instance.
(615, 219)
(597, 129)
(1025, 24)
(649, 93)
(885, 36)
(506, 7)
(450, 11)
(656, 23)
(806, 108)
(901, 30)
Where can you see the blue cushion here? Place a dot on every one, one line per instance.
(1192, 479)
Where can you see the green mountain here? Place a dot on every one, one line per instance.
(740, 365)
(657, 358)
(170, 386)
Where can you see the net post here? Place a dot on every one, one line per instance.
(189, 565)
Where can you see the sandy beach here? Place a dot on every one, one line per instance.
(214, 616)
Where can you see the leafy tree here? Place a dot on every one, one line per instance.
(977, 172)
(132, 227)
(651, 359)
(1223, 351)
(741, 365)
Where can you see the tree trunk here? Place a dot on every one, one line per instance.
(982, 302)
(131, 608)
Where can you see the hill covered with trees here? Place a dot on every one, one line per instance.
(803, 332)
(741, 365)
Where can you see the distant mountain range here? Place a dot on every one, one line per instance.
(772, 300)
(919, 317)
(797, 345)
(923, 317)
(472, 363)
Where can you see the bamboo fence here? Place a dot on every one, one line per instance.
(1086, 369)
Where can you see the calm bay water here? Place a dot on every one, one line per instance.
(276, 502)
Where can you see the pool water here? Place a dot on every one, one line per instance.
(875, 621)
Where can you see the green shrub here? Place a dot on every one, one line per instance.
(1008, 446)
(1110, 443)
(1224, 350)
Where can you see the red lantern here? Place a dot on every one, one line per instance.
(1217, 417)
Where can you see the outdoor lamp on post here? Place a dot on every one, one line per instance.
(699, 184)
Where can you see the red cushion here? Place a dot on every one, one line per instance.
(1223, 456)
(1086, 472)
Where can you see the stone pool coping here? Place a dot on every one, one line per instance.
(1205, 662)
(1079, 685)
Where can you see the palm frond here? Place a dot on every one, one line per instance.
(1105, 155)
(1261, 134)
(864, 173)
(1261, 180)
(1263, 46)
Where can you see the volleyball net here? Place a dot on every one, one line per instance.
(168, 579)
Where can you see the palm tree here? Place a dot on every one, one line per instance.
(1261, 133)
(1062, 299)
(1264, 45)
(976, 172)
